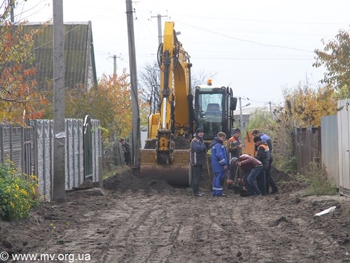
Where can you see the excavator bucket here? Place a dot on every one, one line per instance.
(178, 173)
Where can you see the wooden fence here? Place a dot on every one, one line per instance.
(307, 147)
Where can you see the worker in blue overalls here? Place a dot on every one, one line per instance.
(219, 163)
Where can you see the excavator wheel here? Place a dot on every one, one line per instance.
(177, 173)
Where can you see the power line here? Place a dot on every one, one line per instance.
(264, 21)
(245, 40)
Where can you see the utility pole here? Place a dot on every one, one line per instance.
(135, 154)
(12, 7)
(115, 66)
(114, 70)
(159, 18)
(59, 180)
(240, 112)
(270, 107)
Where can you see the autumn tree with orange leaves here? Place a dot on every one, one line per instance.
(306, 105)
(110, 103)
(335, 57)
(18, 94)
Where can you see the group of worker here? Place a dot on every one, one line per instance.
(252, 173)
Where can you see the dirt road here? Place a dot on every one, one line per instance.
(139, 220)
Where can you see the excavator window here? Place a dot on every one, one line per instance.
(213, 109)
(210, 113)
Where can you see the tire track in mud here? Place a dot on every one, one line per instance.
(288, 234)
(132, 242)
(147, 237)
(172, 226)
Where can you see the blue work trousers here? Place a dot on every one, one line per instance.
(217, 183)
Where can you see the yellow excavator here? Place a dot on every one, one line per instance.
(166, 154)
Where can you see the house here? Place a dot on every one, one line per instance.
(78, 54)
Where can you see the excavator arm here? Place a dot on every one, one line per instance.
(170, 130)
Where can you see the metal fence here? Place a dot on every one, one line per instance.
(31, 149)
(329, 147)
(343, 126)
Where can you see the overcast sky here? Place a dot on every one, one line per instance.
(257, 47)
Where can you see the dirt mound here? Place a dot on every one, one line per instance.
(286, 183)
(125, 181)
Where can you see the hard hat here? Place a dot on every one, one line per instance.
(209, 82)
(233, 160)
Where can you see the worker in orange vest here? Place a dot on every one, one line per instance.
(234, 146)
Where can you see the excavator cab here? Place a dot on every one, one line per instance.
(214, 107)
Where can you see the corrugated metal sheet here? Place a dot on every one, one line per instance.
(343, 116)
(329, 142)
(78, 55)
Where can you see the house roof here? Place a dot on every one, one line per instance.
(79, 57)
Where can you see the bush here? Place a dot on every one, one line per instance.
(317, 181)
(290, 166)
(18, 193)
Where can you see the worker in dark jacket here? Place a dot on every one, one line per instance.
(126, 150)
(251, 168)
(219, 163)
(234, 146)
(263, 155)
(264, 137)
(269, 178)
(198, 158)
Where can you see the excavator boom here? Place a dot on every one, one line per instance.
(166, 153)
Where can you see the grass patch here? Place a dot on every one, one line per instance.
(317, 182)
(115, 170)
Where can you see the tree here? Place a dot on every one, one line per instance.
(150, 81)
(199, 78)
(18, 94)
(336, 58)
(110, 103)
(260, 120)
(306, 105)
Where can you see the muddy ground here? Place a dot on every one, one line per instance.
(146, 220)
